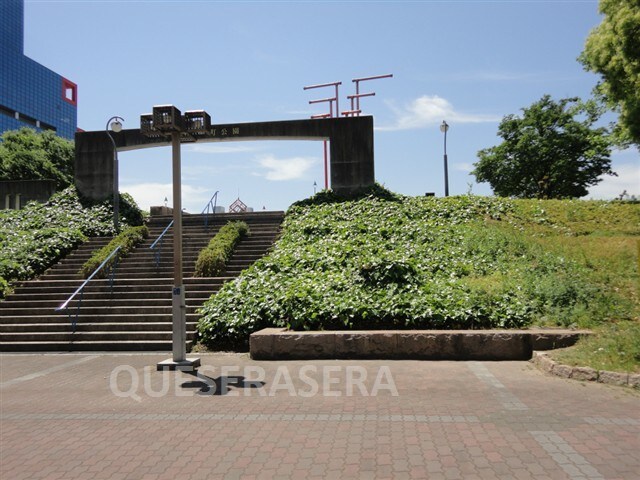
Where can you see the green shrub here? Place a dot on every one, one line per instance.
(4, 288)
(127, 240)
(325, 197)
(213, 258)
(429, 263)
(37, 236)
(130, 213)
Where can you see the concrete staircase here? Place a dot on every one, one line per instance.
(136, 314)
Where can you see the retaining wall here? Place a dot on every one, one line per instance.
(280, 344)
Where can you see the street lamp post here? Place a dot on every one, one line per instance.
(167, 120)
(115, 124)
(178, 298)
(443, 128)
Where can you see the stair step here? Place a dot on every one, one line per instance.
(65, 318)
(91, 346)
(162, 327)
(101, 282)
(46, 307)
(106, 309)
(148, 268)
(92, 327)
(28, 299)
(145, 274)
(87, 336)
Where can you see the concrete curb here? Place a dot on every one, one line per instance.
(546, 364)
(283, 344)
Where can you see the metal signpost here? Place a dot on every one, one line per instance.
(326, 115)
(115, 123)
(355, 108)
(444, 127)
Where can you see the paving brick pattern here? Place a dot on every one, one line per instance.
(115, 417)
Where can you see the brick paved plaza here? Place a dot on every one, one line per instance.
(114, 416)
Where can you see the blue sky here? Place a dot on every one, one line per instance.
(466, 62)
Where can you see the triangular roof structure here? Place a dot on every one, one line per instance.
(238, 206)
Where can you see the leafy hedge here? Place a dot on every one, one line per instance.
(4, 288)
(127, 240)
(34, 238)
(37, 236)
(130, 213)
(399, 262)
(213, 258)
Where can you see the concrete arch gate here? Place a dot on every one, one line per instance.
(350, 138)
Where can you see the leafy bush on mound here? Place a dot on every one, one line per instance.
(130, 213)
(325, 197)
(34, 238)
(37, 236)
(399, 262)
(127, 240)
(213, 258)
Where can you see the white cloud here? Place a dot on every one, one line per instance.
(204, 172)
(279, 169)
(153, 194)
(463, 167)
(432, 110)
(219, 149)
(300, 113)
(611, 187)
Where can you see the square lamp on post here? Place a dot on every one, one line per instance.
(146, 126)
(167, 118)
(197, 121)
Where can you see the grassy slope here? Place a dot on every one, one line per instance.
(603, 237)
(463, 262)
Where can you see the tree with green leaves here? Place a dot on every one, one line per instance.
(613, 50)
(552, 151)
(29, 155)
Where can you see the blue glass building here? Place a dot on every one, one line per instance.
(31, 95)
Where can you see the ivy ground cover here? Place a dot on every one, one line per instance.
(387, 261)
(36, 237)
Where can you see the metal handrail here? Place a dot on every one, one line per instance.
(153, 245)
(161, 240)
(213, 201)
(210, 208)
(80, 289)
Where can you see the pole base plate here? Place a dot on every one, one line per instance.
(187, 365)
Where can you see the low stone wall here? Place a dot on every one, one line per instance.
(546, 364)
(160, 211)
(14, 194)
(281, 344)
